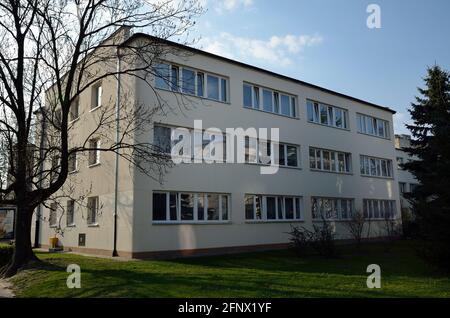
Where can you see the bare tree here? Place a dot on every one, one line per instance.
(355, 226)
(51, 51)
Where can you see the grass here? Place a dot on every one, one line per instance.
(263, 274)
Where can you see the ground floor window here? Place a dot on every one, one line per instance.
(379, 209)
(331, 208)
(92, 207)
(272, 207)
(190, 207)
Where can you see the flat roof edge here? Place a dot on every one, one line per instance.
(281, 76)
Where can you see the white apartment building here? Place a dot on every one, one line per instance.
(406, 181)
(337, 155)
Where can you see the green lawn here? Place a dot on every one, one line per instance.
(264, 274)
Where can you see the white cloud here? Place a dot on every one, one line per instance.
(277, 50)
(231, 5)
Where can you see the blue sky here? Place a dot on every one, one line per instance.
(327, 42)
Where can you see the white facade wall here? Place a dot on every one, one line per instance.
(137, 233)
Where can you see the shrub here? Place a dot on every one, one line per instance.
(355, 226)
(6, 252)
(321, 239)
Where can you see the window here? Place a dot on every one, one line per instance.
(372, 126)
(53, 216)
(267, 100)
(188, 85)
(213, 87)
(92, 210)
(399, 162)
(272, 208)
(247, 96)
(175, 78)
(200, 84)
(329, 160)
(272, 101)
(326, 114)
(94, 152)
(162, 76)
(331, 208)
(162, 139)
(97, 96)
(190, 207)
(74, 110)
(375, 167)
(70, 218)
(187, 206)
(250, 150)
(402, 187)
(379, 209)
(288, 155)
(72, 162)
(190, 81)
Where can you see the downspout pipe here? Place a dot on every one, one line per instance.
(37, 231)
(116, 169)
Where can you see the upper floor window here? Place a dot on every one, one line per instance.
(94, 152)
(260, 151)
(74, 112)
(190, 81)
(329, 160)
(372, 126)
(72, 162)
(402, 187)
(375, 167)
(272, 207)
(97, 92)
(327, 115)
(331, 208)
(399, 162)
(270, 100)
(190, 207)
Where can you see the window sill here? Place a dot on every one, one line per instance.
(333, 172)
(73, 172)
(271, 113)
(93, 225)
(274, 221)
(384, 138)
(95, 108)
(330, 126)
(377, 177)
(263, 165)
(71, 225)
(192, 95)
(73, 120)
(53, 226)
(94, 165)
(189, 222)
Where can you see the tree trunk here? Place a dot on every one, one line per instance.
(23, 253)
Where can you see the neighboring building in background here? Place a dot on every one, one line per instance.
(406, 181)
(7, 223)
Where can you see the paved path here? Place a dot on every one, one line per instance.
(5, 289)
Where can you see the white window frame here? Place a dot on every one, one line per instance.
(338, 207)
(363, 127)
(331, 114)
(278, 199)
(97, 152)
(195, 220)
(347, 161)
(369, 209)
(205, 82)
(97, 205)
(293, 111)
(97, 96)
(363, 159)
(70, 224)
